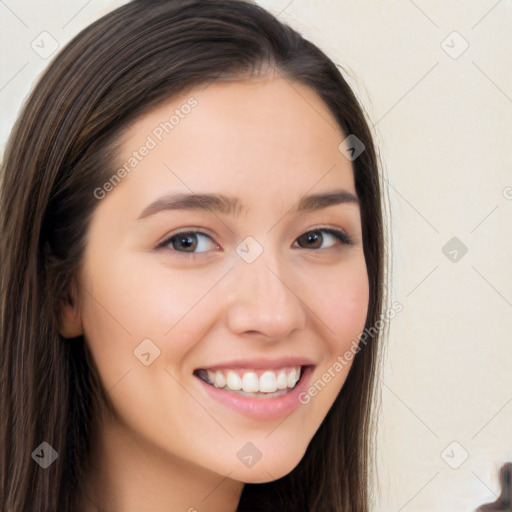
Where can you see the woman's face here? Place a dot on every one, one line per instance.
(172, 285)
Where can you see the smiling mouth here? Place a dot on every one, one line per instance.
(253, 383)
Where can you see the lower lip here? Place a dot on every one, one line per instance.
(262, 409)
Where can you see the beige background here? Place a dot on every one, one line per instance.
(442, 117)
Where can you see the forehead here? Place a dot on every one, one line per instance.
(245, 135)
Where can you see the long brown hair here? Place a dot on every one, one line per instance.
(61, 148)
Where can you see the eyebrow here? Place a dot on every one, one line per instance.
(232, 206)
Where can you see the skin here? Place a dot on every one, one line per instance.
(169, 444)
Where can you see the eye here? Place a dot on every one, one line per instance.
(188, 242)
(315, 238)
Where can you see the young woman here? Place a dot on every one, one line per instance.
(192, 274)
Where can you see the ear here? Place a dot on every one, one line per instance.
(70, 324)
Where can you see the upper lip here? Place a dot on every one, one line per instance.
(261, 363)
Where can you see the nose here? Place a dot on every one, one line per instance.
(262, 300)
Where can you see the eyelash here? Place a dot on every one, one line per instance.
(340, 235)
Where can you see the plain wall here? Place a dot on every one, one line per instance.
(442, 116)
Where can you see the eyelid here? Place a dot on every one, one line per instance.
(339, 233)
(190, 230)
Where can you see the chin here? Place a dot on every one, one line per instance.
(267, 471)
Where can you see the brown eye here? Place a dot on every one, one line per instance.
(188, 242)
(184, 240)
(314, 239)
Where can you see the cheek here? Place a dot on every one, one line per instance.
(342, 306)
(341, 303)
(126, 303)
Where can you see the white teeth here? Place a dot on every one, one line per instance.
(233, 381)
(220, 380)
(248, 381)
(268, 382)
(282, 381)
(292, 378)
